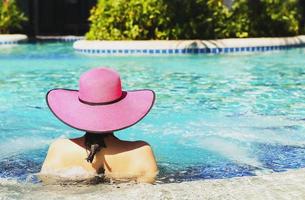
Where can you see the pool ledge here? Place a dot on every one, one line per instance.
(275, 186)
(9, 39)
(140, 47)
(62, 38)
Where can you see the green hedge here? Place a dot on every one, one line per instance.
(195, 19)
(273, 18)
(301, 11)
(11, 17)
(129, 19)
(263, 18)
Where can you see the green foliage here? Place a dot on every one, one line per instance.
(263, 18)
(273, 18)
(237, 23)
(195, 19)
(301, 11)
(129, 19)
(11, 17)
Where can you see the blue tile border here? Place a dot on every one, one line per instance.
(59, 39)
(46, 40)
(216, 50)
(8, 42)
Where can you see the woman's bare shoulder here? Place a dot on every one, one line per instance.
(65, 142)
(145, 159)
(56, 144)
(53, 157)
(144, 147)
(59, 150)
(61, 147)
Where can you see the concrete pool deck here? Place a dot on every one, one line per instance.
(9, 39)
(159, 47)
(275, 186)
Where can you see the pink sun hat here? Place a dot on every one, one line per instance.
(100, 105)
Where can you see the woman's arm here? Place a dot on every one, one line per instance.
(147, 161)
(53, 158)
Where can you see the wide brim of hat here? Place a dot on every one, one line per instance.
(122, 114)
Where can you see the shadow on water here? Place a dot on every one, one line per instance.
(277, 158)
(21, 167)
(198, 172)
(281, 157)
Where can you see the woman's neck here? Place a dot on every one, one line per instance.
(110, 139)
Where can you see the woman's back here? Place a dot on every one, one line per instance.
(99, 108)
(118, 160)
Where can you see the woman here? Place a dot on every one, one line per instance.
(99, 108)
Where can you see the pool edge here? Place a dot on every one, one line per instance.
(174, 47)
(12, 39)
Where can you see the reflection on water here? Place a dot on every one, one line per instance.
(216, 116)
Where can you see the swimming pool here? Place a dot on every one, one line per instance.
(216, 116)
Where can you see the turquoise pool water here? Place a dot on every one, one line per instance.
(216, 116)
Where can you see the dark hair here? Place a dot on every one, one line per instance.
(94, 143)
